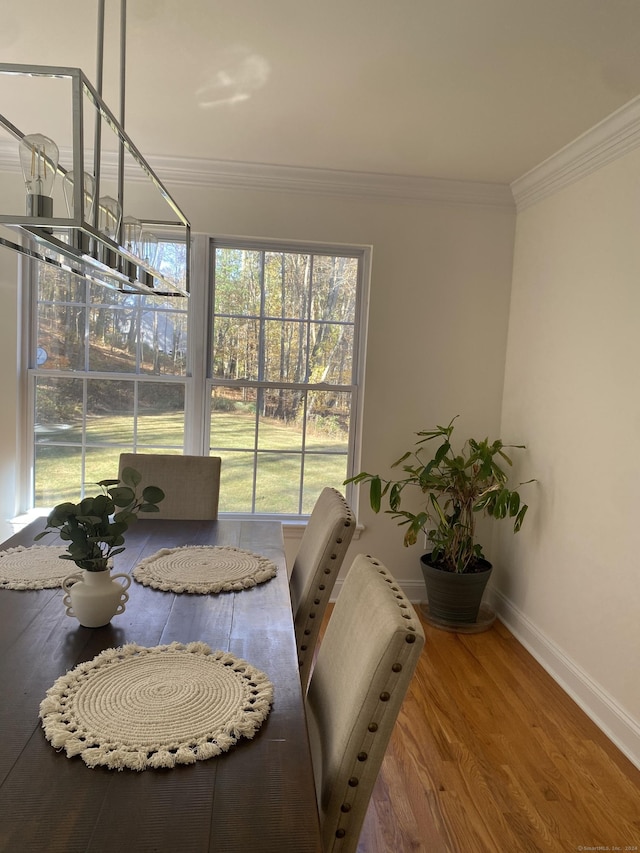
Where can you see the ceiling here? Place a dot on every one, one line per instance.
(479, 90)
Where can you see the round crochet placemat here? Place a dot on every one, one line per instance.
(135, 707)
(37, 567)
(204, 569)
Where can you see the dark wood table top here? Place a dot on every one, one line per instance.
(259, 796)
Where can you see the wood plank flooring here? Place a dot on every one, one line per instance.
(490, 755)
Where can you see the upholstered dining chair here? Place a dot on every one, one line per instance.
(320, 556)
(363, 669)
(191, 484)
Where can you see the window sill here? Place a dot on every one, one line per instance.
(295, 529)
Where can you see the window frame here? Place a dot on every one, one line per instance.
(267, 246)
(197, 379)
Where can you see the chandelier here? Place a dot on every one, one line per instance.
(78, 210)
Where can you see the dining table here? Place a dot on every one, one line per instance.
(259, 795)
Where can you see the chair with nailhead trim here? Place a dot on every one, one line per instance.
(322, 550)
(363, 669)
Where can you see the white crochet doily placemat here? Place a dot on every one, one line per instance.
(204, 569)
(135, 707)
(37, 567)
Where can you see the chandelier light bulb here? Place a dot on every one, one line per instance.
(109, 216)
(132, 234)
(149, 248)
(39, 161)
(88, 194)
(149, 255)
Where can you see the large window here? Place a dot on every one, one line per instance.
(109, 375)
(283, 374)
(274, 391)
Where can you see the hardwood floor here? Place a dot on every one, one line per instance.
(489, 754)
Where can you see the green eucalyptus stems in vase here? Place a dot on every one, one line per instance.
(95, 527)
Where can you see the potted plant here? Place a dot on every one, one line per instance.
(94, 529)
(456, 487)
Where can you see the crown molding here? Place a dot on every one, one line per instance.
(608, 140)
(231, 175)
(225, 174)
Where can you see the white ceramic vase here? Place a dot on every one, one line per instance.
(95, 597)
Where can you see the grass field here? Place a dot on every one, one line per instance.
(277, 460)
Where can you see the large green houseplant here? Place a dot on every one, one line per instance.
(94, 530)
(455, 488)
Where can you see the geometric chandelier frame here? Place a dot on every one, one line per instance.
(74, 242)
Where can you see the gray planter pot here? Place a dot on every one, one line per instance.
(453, 598)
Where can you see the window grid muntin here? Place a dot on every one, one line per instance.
(89, 298)
(197, 433)
(260, 384)
(136, 305)
(86, 443)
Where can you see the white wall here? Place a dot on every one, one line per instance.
(569, 579)
(439, 302)
(438, 316)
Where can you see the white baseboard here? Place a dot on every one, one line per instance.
(610, 718)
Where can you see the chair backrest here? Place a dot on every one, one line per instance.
(191, 483)
(315, 569)
(366, 660)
